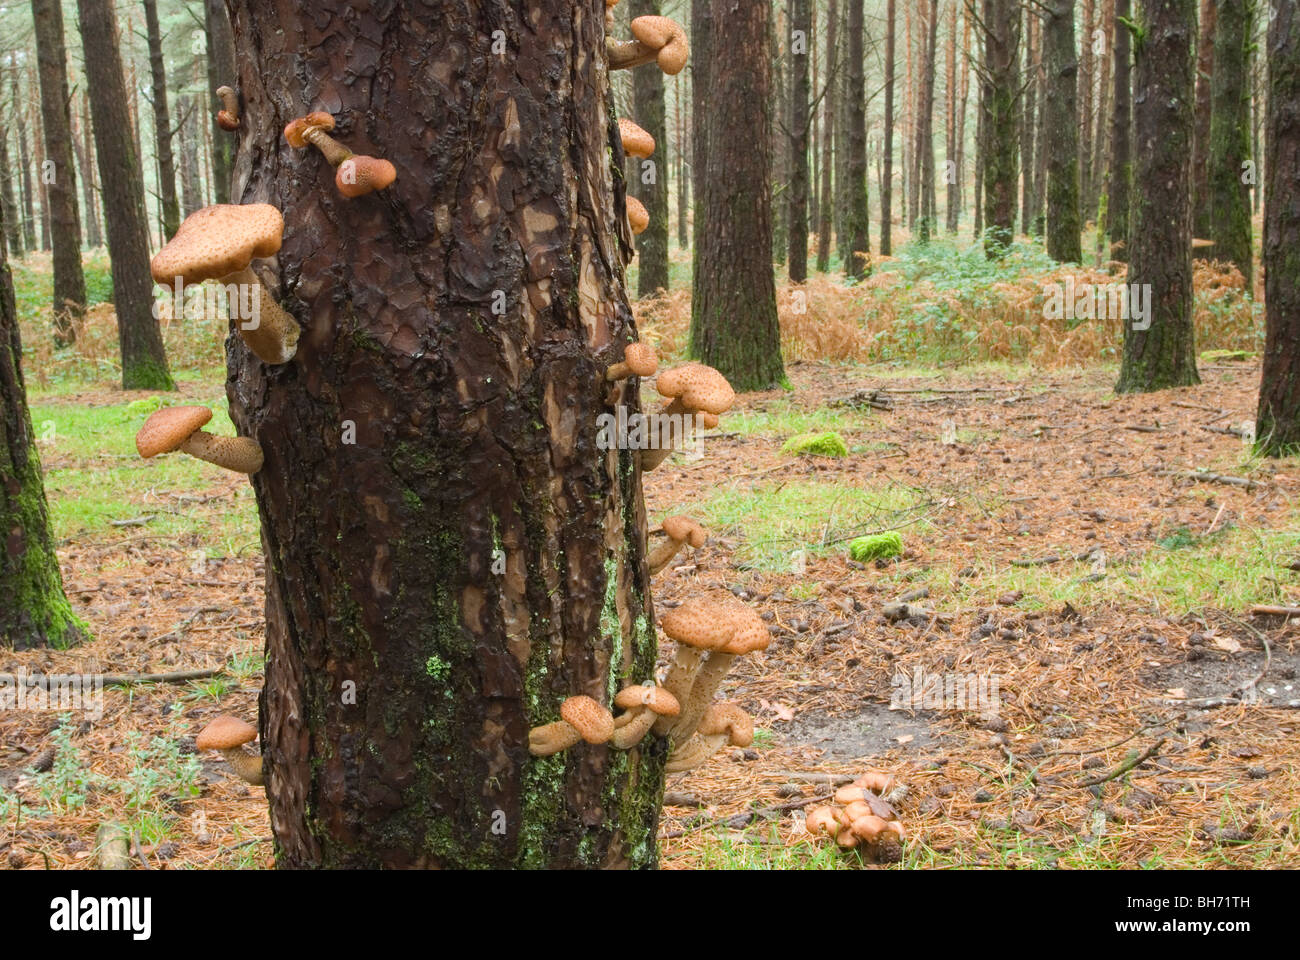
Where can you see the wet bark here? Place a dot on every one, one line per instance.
(169, 206)
(1121, 121)
(450, 554)
(1230, 137)
(1001, 122)
(649, 178)
(1278, 428)
(144, 364)
(1061, 130)
(1159, 237)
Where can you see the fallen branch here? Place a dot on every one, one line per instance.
(1213, 478)
(1131, 761)
(1271, 611)
(127, 679)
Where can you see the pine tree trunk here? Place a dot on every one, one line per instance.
(779, 200)
(1084, 121)
(1001, 176)
(8, 202)
(952, 175)
(191, 188)
(1160, 236)
(1101, 122)
(440, 585)
(1027, 127)
(221, 71)
(887, 177)
(144, 364)
(35, 612)
(42, 174)
(1201, 139)
(170, 210)
(858, 224)
(1279, 395)
(61, 193)
(1121, 167)
(734, 324)
(1230, 137)
(925, 122)
(801, 33)
(684, 149)
(1061, 131)
(831, 137)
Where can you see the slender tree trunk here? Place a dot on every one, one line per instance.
(780, 108)
(144, 364)
(980, 147)
(859, 221)
(647, 178)
(1061, 129)
(1279, 395)
(961, 110)
(925, 121)
(1027, 126)
(1160, 236)
(1201, 142)
(191, 188)
(1001, 176)
(170, 210)
(8, 202)
(35, 612)
(43, 173)
(405, 666)
(1121, 168)
(25, 162)
(952, 169)
(1085, 89)
(799, 50)
(221, 71)
(887, 177)
(843, 150)
(685, 148)
(61, 192)
(831, 138)
(1101, 122)
(734, 324)
(1230, 227)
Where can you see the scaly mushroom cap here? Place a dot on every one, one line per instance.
(698, 387)
(167, 429)
(240, 454)
(751, 633)
(666, 36)
(225, 733)
(359, 175)
(637, 215)
(653, 698)
(730, 719)
(593, 722)
(636, 141)
(294, 129)
(640, 359)
(700, 623)
(217, 241)
(684, 530)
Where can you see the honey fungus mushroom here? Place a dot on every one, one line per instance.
(656, 40)
(678, 531)
(723, 724)
(644, 705)
(639, 360)
(359, 175)
(227, 735)
(638, 217)
(749, 634)
(697, 626)
(581, 718)
(179, 428)
(694, 390)
(314, 129)
(228, 116)
(219, 243)
(636, 141)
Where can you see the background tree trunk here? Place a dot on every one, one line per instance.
(1061, 130)
(800, 33)
(733, 313)
(1160, 235)
(648, 180)
(61, 193)
(858, 224)
(1279, 396)
(1001, 177)
(1027, 126)
(90, 215)
(779, 108)
(1083, 122)
(35, 612)
(831, 136)
(144, 364)
(1121, 169)
(887, 177)
(1201, 138)
(25, 162)
(1230, 137)
(8, 201)
(191, 188)
(925, 121)
(169, 207)
(475, 441)
(221, 71)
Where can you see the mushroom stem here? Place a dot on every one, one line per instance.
(678, 682)
(229, 100)
(552, 738)
(694, 752)
(663, 554)
(653, 458)
(241, 454)
(269, 330)
(334, 151)
(631, 733)
(707, 680)
(625, 54)
(248, 768)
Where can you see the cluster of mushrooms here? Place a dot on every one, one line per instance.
(861, 817)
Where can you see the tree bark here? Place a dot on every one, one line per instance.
(25, 162)
(1001, 176)
(1064, 227)
(734, 324)
(84, 144)
(684, 149)
(169, 206)
(61, 192)
(780, 145)
(144, 363)
(35, 612)
(1121, 168)
(887, 178)
(8, 202)
(801, 34)
(440, 586)
(1230, 227)
(1201, 138)
(648, 178)
(1160, 236)
(925, 123)
(832, 136)
(191, 188)
(858, 224)
(952, 177)
(1084, 120)
(1278, 428)
(221, 71)
(1028, 125)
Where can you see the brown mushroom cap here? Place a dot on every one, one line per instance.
(217, 241)
(730, 719)
(822, 821)
(168, 428)
(656, 699)
(877, 781)
(684, 530)
(701, 623)
(593, 722)
(698, 387)
(666, 36)
(641, 359)
(751, 633)
(636, 141)
(294, 129)
(227, 121)
(359, 175)
(637, 215)
(870, 827)
(225, 733)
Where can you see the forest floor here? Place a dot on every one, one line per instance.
(1077, 558)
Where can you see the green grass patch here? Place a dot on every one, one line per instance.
(828, 444)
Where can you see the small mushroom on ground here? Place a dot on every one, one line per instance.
(636, 141)
(697, 629)
(639, 360)
(638, 217)
(582, 718)
(695, 391)
(678, 531)
(178, 428)
(822, 822)
(749, 635)
(228, 118)
(314, 128)
(219, 243)
(359, 175)
(644, 705)
(227, 735)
